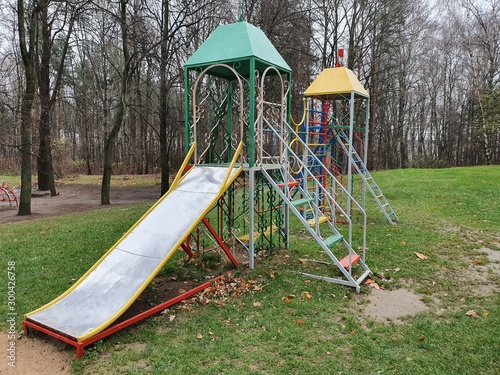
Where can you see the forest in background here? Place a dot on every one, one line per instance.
(90, 84)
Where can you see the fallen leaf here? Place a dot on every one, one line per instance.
(286, 300)
(472, 313)
(420, 256)
(421, 338)
(171, 317)
(199, 336)
(300, 322)
(307, 295)
(477, 262)
(485, 314)
(257, 304)
(403, 243)
(369, 281)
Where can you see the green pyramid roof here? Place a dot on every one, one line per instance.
(235, 44)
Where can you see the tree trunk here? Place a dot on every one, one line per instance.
(109, 144)
(26, 125)
(44, 158)
(164, 157)
(27, 54)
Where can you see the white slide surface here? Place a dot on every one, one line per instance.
(105, 292)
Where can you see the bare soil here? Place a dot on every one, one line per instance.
(76, 198)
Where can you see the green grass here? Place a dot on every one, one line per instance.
(446, 214)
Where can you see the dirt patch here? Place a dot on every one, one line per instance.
(77, 198)
(392, 305)
(35, 356)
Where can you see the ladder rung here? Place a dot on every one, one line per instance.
(302, 202)
(316, 144)
(380, 196)
(385, 205)
(322, 219)
(332, 240)
(354, 260)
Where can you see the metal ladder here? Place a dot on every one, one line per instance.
(321, 205)
(367, 178)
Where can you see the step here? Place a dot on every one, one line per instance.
(302, 202)
(268, 232)
(293, 183)
(332, 240)
(322, 219)
(316, 145)
(354, 260)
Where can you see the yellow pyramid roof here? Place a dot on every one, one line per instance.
(336, 81)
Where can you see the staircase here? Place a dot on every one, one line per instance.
(314, 205)
(366, 176)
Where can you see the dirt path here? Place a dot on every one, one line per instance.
(77, 198)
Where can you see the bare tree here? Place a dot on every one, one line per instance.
(47, 94)
(27, 45)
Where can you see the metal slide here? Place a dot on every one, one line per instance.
(106, 291)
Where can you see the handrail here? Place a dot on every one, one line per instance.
(303, 115)
(231, 165)
(323, 189)
(180, 172)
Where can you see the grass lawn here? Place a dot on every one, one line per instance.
(287, 323)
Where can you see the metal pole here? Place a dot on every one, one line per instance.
(251, 218)
(351, 148)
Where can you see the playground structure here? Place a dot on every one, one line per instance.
(247, 175)
(7, 194)
(335, 129)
